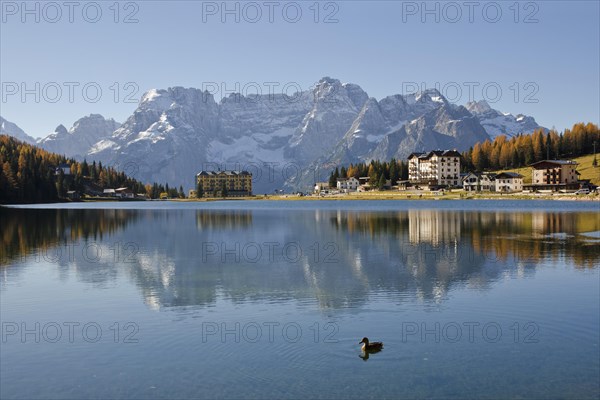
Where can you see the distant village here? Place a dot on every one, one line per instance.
(435, 171)
(440, 170)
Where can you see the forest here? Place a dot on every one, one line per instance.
(29, 174)
(523, 150)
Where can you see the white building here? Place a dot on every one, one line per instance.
(438, 167)
(348, 185)
(124, 193)
(321, 186)
(509, 182)
(477, 182)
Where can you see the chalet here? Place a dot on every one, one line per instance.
(508, 182)
(348, 185)
(109, 193)
(477, 182)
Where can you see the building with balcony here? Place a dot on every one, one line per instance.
(436, 168)
(554, 175)
(224, 184)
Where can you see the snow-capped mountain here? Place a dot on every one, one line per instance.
(11, 129)
(498, 123)
(283, 141)
(77, 141)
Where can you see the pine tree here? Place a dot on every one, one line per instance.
(333, 178)
(381, 184)
(394, 174)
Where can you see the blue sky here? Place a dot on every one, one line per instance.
(543, 56)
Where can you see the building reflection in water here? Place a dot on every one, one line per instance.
(193, 257)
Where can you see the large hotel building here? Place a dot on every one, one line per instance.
(224, 183)
(439, 167)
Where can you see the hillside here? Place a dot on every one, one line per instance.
(585, 168)
(29, 174)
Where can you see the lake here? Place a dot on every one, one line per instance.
(269, 299)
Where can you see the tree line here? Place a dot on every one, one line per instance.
(377, 171)
(29, 174)
(525, 149)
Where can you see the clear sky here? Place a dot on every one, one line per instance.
(542, 55)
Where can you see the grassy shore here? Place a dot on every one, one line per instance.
(420, 195)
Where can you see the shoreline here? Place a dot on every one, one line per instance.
(407, 197)
(448, 196)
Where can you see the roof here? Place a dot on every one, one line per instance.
(555, 162)
(508, 175)
(415, 154)
(216, 173)
(490, 175)
(109, 190)
(439, 153)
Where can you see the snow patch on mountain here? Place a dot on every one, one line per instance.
(85, 133)
(497, 123)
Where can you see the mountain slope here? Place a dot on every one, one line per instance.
(283, 141)
(11, 129)
(497, 123)
(77, 141)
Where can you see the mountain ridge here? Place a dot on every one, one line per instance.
(175, 132)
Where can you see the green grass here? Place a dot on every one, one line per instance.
(585, 168)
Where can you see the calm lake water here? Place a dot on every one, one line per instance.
(476, 299)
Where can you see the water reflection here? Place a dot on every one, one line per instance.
(336, 259)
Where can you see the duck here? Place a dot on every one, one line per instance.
(370, 347)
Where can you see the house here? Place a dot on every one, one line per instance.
(403, 184)
(73, 195)
(124, 193)
(65, 168)
(508, 182)
(348, 185)
(363, 184)
(477, 182)
(109, 193)
(321, 187)
(225, 183)
(554, 175)
(436, 168)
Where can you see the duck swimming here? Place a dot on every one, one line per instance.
(370, 347)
